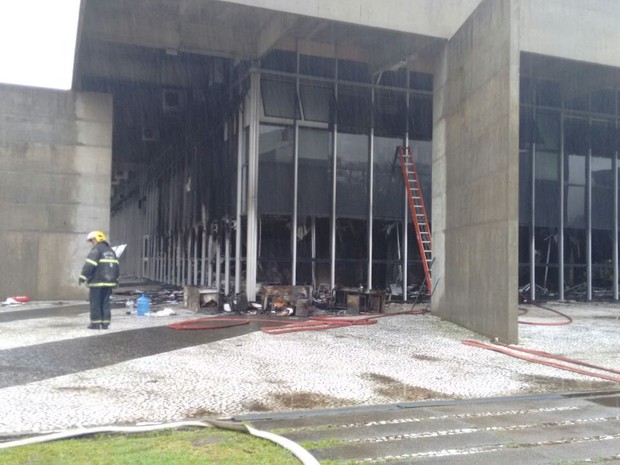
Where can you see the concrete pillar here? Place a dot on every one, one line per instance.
(475, 173)
(55, 153)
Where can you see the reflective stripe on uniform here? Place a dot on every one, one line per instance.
(102, 285)
(108, 260)
(92, 262)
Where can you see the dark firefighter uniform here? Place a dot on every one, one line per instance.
(101, 273)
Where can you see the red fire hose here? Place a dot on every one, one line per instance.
(511, 351)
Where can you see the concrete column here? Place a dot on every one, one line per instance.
(55, 153)
(475, 173)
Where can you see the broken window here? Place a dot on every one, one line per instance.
(274, 250)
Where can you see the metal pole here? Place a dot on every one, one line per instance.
(203, 255)
(313, 246)
(614, 165)
(332, 232)
(238, 228)
(210, 260)
(227, 258)
(218, 262)
(533, 219)
(371, 182)
(562, 207)
(295, 210)
(589, 216)
(252, 213)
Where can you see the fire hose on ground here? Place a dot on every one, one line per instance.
(318, 323)
(511, 350)
(302, 454)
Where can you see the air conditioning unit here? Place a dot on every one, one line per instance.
(172, 100)
(150, 134)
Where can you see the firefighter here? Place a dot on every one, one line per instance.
(100, 273)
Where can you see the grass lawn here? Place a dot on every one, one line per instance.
(200, 446)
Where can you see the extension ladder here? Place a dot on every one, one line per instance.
(418, 212)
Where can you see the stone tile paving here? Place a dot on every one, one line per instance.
(401, 358)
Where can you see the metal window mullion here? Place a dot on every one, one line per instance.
(238, 229)
(313, 251)
(252, 204)
(615, 227)
(405, 234)
(332, 232)
(589, 216)
(210, 258)
(227, 231)
(533, 223)
(295, 207)
(562, 208)
(371, 182)
(218, 261)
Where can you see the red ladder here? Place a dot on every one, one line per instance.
(417, 209)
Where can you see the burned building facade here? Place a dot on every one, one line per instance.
(247, 142)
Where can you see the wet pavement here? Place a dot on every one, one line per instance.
(404, 390)
(545, 429)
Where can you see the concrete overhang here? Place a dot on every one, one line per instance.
(115, 33)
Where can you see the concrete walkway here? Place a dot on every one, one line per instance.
(56, 374)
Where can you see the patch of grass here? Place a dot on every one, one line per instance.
(177, 447)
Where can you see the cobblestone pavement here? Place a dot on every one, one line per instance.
(56, 374)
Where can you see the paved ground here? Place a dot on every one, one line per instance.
(403, 390)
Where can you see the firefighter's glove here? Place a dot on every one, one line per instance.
(80, 281)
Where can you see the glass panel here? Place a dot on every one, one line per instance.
(548, 131)
(603, 151)
(603, 101)
(421, 81)
(279, 98)
(275, 170)
(389, 188)
(547, 171)
(548, 93)
(396, 78)
(352, 176)
(353, 71)
(317, 100)
(575, 206)
(390, 113)
(315, 172)
(317, 66)
(353, 109)
(525, 182)
(280, 60)
(421, 117)
(526, 94)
